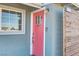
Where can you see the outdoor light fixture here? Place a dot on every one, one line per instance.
(46, 10)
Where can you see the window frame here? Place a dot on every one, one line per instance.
(22, 11)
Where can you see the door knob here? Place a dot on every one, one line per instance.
(32, 35)
(32, 40)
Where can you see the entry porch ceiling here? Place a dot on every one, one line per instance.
(36, 5)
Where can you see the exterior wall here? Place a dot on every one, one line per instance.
(71, 32)
(54, 33)
(17, 45)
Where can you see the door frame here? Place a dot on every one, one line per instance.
(31, 29)
(63, 33)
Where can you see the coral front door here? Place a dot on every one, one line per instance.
(38, 33)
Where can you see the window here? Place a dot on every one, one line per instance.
(38, 20)
(12, 20)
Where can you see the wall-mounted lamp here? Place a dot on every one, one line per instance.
(46, 10)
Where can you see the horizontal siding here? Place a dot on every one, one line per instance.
(17, 45)
(54, 34)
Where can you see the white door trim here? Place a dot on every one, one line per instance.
(32, 29)
(63, 33)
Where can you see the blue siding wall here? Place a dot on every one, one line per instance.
(54, 34)
(17, 45)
